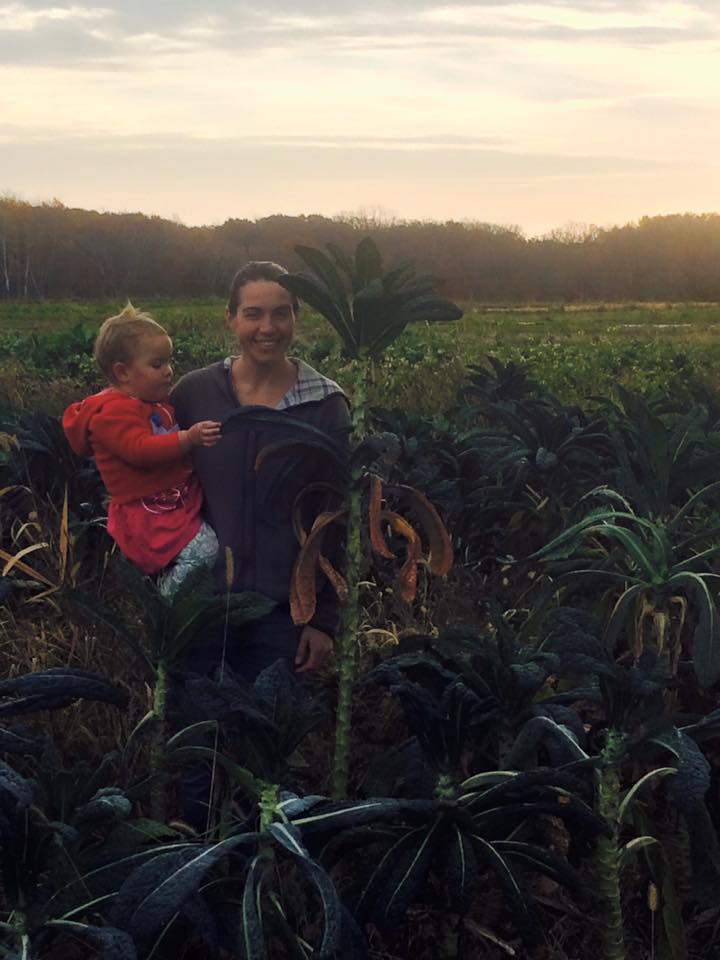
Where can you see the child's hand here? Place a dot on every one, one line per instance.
(204, 433)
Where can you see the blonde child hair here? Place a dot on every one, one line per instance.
(118, 336)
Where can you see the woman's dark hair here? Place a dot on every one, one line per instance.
(252, 271)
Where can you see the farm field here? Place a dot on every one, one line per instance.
(533, 767)
(575, 351)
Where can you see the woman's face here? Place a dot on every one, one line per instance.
(264, 323)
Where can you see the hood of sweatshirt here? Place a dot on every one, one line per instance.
(77, 419)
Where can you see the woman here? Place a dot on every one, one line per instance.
(258, 531)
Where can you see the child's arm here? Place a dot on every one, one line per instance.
(130, 438)
(204, 433)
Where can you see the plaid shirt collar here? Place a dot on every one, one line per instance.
(310, 385)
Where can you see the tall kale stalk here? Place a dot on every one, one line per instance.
(355, 563)
(608, 855)
(159, 739)
(614, 805)
(640, 744)
(369, 307)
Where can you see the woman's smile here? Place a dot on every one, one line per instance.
(264, 322)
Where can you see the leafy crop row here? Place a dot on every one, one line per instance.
(513, 781)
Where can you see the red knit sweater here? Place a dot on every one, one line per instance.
(133, 459)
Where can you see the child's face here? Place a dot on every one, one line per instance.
(149, 374)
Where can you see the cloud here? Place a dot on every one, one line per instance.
(330, 104)
(22, 134)
(134, 28)
(19, 17)
(370, 141)
(206, 181)
(318, 158)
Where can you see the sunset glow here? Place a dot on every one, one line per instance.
(516, 113)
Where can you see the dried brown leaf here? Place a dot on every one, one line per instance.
(440, 556)
(407, 577)
(302, 581)
(339, 583)
(377, 540)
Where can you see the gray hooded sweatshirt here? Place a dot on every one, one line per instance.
(251, 512)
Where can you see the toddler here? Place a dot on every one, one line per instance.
(142, 455)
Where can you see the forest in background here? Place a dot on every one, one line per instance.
(52, 251)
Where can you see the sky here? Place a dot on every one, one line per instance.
(531, 114)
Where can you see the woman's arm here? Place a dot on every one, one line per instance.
(335, 417)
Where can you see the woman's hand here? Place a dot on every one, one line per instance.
(204, 433)
(314, 647)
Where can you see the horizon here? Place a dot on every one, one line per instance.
(533, 114)
(377, 218)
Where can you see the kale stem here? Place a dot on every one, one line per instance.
(157, 751)
(607, 858)
(355, 564)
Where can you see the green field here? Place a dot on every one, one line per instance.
(535, 639)
(575, 351)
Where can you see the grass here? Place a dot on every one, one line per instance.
(576, 351)
(49, 316)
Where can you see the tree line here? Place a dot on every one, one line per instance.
(52, 251)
